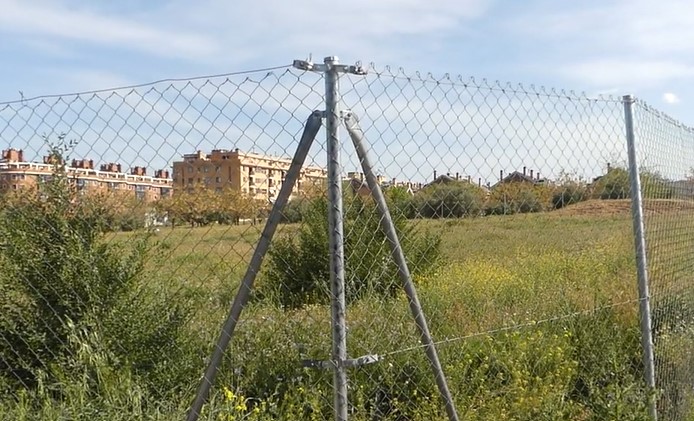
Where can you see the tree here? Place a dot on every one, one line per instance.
(518, 197)
(299, 269)
(201, 206)
(613, 185)
(568, 190)
(617, 185)
(449, 200)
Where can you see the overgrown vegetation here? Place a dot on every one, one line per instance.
(101, 326)
(449, 200)
(299, 264)
(79, 315)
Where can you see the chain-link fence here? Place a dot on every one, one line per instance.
(501, 283)
(666, 157)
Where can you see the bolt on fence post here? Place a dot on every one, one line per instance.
(310, 131)
(336, 236)
(641, 257)
(388, 227)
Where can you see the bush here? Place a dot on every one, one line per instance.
(400, 201)
(65, 290)
(616, 185)
(520, 197)
(299, 272)
(294, 210)
(569, 193)
(613, 185)
(449, 200)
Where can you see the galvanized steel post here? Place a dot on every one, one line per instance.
(641, 257)
(336, 236)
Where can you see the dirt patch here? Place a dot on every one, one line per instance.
(623, 207)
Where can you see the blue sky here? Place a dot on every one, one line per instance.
(610, 47)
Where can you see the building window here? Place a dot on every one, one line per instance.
(218, 168)
(208, 180)
(190, 180)
(218, 180)
(207, 169)
(14, 187)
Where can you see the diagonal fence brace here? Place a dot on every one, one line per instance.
(357, 136)
(313, 125)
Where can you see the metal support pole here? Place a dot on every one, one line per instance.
(310, 131)
(641, 258)
(336, 236)
(388, 227)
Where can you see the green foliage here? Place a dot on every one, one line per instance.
(518, 197)
(616, 185)
(613, 185)
(569, 191)
(449, 200)
(295, 209)
(299, 264)
(400, 201)
(66, 292)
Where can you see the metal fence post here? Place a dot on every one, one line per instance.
(641, 258)
(336, 236)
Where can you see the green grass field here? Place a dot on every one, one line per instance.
(537, 315)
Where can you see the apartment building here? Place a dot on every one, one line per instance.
(18, 174)
(255, 174)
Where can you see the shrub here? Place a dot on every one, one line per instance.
(299, 274)
(400, 201)
(616, 185)
(294, 210)
(449, 200)
(520, 197)
(613, 185)
(59, 280)
(569, 193)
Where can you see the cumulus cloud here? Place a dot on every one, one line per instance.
(54, 21)
(216, 29)
(670, 98)
(648, 44)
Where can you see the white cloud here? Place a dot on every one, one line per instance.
(53, 21)
(670, 98)
(629, 43)
(244, 30)
(626, 74)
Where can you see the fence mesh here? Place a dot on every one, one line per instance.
(511, 204)
(666, 155)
